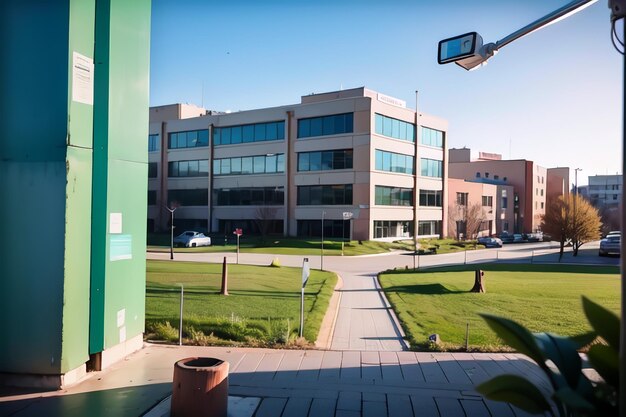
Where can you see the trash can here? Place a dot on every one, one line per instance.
(200, 388)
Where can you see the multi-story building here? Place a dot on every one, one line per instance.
(605, 190)
(529, 181)
(359, 161)
(480, 206)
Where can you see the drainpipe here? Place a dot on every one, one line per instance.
(163, 184)
(287, 192)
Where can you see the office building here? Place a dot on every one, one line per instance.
(362, 161)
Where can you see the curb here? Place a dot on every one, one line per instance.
(327, 329)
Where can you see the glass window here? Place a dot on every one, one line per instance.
(203, 168)
(328, 127)
(271, 131)
(217, 167)
(192, 139)
(259, 164)
(235, 166)
(280, 126)
(203, 138)
(183, 168)
(246, 165)
(217, 136)
(152, 169)
(226, 136)
(270, 164)
(325, 125)
(248, 133)
(226, 166)
(304, 128)
(193, 169)
(325, 194)
(259, 132)
(315, 161)
(236, 134)
(316, 126)
(394, 128)
(280, 162)
(327, 160)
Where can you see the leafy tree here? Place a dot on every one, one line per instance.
(572, 219)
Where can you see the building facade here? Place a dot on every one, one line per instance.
(529, 181)
(359, 162)
(605, 190)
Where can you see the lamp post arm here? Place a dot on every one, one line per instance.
(552, 17)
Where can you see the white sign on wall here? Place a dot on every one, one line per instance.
(82, 79)
(392, 100)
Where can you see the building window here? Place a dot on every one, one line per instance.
(393, 196)
(325, 160)
(152, 195)
(431, 137)
(332, 228)
(313, 195)
(196, 197)
(542, 205)
(504, 199)
(188, 139)
(394, 128)
(430, 198)
(487, 201)
(152, 169)
(153, 143)
(461, 199)
(486, 175)
(394, 162)
(199, 168)
(249, 196)
(336, 124)
(246, 165)
(496, 177)
(257, 132)
(392, 228)
(542, 192)
(428, 227)
(478, 175)
(431, 168)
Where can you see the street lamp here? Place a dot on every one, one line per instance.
(171, 210)
(468, 51)
(576, 198)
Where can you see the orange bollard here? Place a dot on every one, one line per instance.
(200, 388)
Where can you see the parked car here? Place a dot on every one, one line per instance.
(535, 237)
(506, 237)
(490, 242)
(518, 238)
(610, 245)
(614, 233)
(191, 239)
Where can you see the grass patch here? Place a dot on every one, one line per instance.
(541, 297)
(262, 309)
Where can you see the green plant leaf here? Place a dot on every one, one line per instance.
(516, 336)
(584, 339)
(516, 391)
(561, 351)
(573, 400)
(603, 321)
(605, 360)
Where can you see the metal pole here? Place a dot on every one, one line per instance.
(343, 234)
(466, 337)
(237, 248)
(180, 330)
(172, 235)
(301, 310)
(322, 256)
(622, 344)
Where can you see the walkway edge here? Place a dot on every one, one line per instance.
(392, 313)
(327, 329)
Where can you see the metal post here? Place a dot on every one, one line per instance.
(237, 248)
(180, 330)
(301, 310)
(466, 337)
(171, 210)
(622, 345)
(343, 234)
(322, 256)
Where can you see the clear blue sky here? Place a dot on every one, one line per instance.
(553, 97)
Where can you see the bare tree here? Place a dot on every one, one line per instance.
(466, 220)
(264, 218)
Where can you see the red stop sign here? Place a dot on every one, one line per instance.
(238, 232)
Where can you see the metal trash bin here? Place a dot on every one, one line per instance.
(200, 388)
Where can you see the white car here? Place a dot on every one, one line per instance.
(192, 239)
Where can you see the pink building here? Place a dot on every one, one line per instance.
(529, 181)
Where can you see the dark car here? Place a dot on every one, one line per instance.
(490, 242)
(506, 237)
(610, 245)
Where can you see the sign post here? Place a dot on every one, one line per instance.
(347, 215)
(305, 276)
(238, 232)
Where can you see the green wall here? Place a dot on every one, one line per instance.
(58, 294)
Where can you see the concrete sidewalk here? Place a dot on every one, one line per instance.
(285, 383)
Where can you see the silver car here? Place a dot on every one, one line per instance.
(191, 239)
(610, 245)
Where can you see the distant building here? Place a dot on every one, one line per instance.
(360, 160)
(605, 190)
(533, 185)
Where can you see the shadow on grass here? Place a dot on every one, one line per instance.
(573, 268)
(426, 289)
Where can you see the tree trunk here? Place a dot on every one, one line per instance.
(562, 246)
(479, 283)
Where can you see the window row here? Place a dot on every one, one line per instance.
(325, 160)
(393, 196)
(196, 197)
(462, 199)
(313, 195)
(198, 168)
(394, 128)
(393, 228)
(428, 227)
(431, 137)
(258, 132)
(153, 169)
(332, 228)
(431, 198)
(189, 139)
(153, 143)
(249, 196)
(431, 168)
(336, 124)
(394, 162)
(245, 165)
(487, 201)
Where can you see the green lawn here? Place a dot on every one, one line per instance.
(541, 297)
(262, 308)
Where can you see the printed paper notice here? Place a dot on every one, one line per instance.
(120, 247)
(82, 79)
(115, 223)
